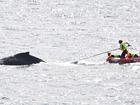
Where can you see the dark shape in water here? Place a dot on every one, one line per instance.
(20, 59)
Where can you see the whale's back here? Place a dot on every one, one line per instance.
(20, 59)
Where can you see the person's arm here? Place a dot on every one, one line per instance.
(127, 44)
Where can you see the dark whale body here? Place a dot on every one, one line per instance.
(20, 59)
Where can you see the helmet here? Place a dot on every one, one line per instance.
(120, 41)
(109, 54)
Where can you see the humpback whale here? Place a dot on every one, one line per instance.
(20, 59)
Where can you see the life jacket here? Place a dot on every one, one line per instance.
(112, 56)
(116, 56)
(123, 46)
(130, 55)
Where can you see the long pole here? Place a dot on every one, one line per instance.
(75, 62)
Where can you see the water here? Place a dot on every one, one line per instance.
(62, 31)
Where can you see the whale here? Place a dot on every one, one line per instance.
(23, 58)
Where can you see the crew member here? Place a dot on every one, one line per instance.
(123, 48)
(112, 56)
(130, 55)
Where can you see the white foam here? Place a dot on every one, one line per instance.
(90, 63)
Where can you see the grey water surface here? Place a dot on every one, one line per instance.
(62, 31)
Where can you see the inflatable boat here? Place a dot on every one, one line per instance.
(124, 60)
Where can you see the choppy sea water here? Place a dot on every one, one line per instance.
(62, 31)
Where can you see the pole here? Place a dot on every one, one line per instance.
(75, 62)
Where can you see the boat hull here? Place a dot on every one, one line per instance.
(124, 60)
